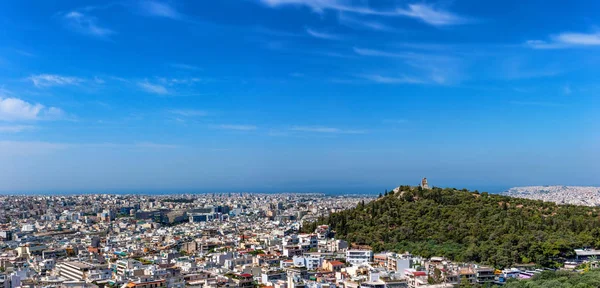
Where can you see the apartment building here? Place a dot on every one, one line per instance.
(355, 257)
(74, 270)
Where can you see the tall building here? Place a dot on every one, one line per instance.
(424, 184)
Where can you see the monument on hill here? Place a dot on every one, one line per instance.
(424, 184)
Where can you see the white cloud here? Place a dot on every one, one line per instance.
(184, 66)
(15, 128)
(578, 39)
(379, 53)
(323, 129)
(435, 68)
(159, 9)
(316, 5)
(153, 88)
(426, 13)
(47, 80)
(392, 80)
(175, 81)
(322, 35)
(15, 109)
(321, 5)
(236, 127)
(362, 24)
(431, 15)
(539, 44)
(86, 24)
(188, 112)
(566, 40)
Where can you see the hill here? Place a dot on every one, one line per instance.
(469, 226)
(559, 279)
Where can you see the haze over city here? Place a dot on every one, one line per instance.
(297, 95)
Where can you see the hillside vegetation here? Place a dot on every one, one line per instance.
(559, 279)
(468, 226)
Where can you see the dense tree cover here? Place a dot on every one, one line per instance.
(560, 279)
(468, 226)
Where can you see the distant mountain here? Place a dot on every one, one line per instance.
(575, 195)
(468, 226)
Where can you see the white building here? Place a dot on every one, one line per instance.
(74, 270)
(355, 257)
(311, 262)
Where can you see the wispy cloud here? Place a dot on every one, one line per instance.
(235, 127)
(320, 5)
(323, 129)
(392, 80)
(153, 88)
(15, 128)
(434, 68)
(86, 24)
(566, 40)
(178, 81)
(15, 109)
(427, 13)
(582, 39)
(322, 35)
(188, 112)
(184, 66)
(356, 23)
(567, 90)
(159, 9)
(379, 53)
(432, 15)
(47, 80)
(544, 45)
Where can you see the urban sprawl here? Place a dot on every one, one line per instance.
(208, 240)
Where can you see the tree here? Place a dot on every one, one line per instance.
(494, 229)
(464, 283)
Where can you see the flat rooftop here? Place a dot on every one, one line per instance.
(587, 252)
(79, 265)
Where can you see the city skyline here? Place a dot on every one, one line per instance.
(297, 95)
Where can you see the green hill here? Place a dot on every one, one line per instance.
(559, 279)
(468, 226)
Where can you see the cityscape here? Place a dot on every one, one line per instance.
(574, 195)
(216, 240)
(299, 144)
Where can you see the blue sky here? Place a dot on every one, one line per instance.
(297, 95)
